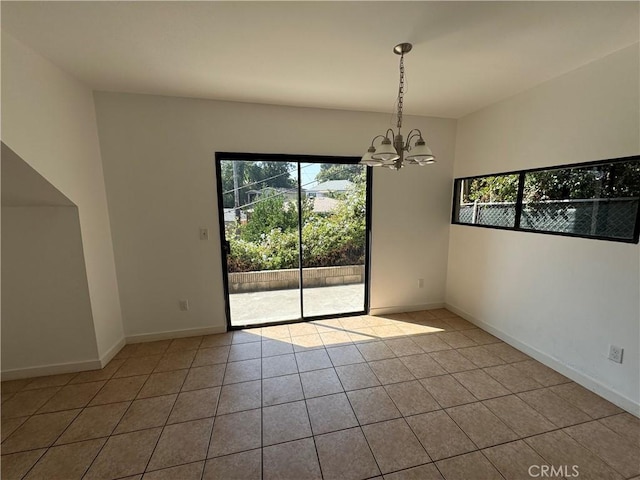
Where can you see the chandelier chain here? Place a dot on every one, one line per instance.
(391, 150)
(401, 92)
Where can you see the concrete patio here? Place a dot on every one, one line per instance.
(282, 305)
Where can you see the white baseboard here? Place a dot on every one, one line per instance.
(405, 308)
(54, 369)
(579, 377)
(190, 332)
(74, 367)
(112, 352)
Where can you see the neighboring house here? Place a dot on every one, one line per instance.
(252, 195)
(321, 204)
(331, 186)
(230, 216)
(289, 194)
(325, 204)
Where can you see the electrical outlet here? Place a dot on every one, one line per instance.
(184, 305)
(421, 283)
(204, 233)
(615, 353)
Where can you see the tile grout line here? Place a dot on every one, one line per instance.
(302, 351)
(306, 406)
(134, 400)
(70, 423)
(433, 461)
(372, 423)
(477, 449)
(316, 396)
(262, 418)
(215, 416)
(496, 466)
(150, 428)
(525, 437)
(61, 433)
(168, 416)
(595, 453)
(402, 416)
(357, 421)
(118, 423)
(591, 419)
(585, 447)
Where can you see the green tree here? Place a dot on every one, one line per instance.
(501, 188)
(270, 211)
(253, 175)
(605, 181)
(330, 171)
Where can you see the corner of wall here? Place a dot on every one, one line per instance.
(556, 364)
(49, 119)
(519, 285)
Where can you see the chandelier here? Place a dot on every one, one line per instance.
(391, 151)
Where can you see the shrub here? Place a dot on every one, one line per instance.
(270, 240)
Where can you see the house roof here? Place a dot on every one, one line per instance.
(332, 186)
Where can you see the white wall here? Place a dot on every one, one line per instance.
(158, 155)
(46, 312)
(48, 119)
(565, 298)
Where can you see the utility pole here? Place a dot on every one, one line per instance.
(236, 191)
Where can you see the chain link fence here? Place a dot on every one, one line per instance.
(611, 217)
(495, 214)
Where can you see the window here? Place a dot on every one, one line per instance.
(592, 200)
(488, 201)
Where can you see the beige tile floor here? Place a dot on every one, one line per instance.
(422, 395)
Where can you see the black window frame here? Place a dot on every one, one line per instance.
(293, 158)
(519, 200)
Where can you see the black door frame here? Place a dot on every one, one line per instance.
(298, 159)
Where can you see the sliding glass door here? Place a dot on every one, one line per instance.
(334, 239)
(295, 233)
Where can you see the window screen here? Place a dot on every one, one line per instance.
(593, 200)
(599, 201)
(488, 200)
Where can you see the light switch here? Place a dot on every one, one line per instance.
(204, 233)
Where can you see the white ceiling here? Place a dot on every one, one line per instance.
(324, 54)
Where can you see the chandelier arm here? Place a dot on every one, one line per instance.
(412, 134)
(375, 138)
(393, 134)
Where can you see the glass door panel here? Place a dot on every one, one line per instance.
(334, 238)
(261, 240)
